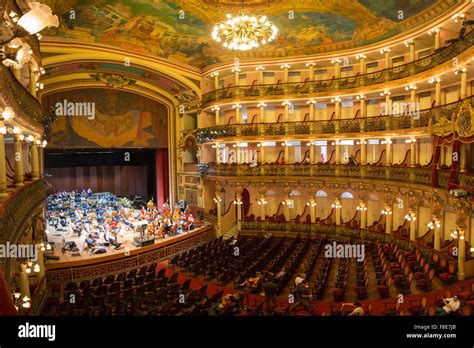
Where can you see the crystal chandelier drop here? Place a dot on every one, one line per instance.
(244, 32)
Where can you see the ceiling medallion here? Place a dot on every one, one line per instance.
(244, 32)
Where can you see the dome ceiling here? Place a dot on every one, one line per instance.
(180, 29)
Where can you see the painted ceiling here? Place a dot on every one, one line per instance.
(180, 29)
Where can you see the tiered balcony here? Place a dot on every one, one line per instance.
(307, 88)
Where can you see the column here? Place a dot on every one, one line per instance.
(337, 67)
(218, 200)
(260, 70)
(262, 202)
(388, 152)
(412, 152)
(3, 168)
(312, 154)
(437, 41)
(216, 79)
(311, 109)
(261, 112)
(238, 203)
(411, 44)
(261, 150)
(311, 66)
(287, 153)
(35, 173)
(218, 153)
(40, 261)
(438, 92)
(285, 68)
(238, 118)
(286, 113)
(23, 282)
(337, 206)
(363, 152)
(463, 158)
(312, 208)
(411, 217)
(363, 106)
(32, 82)
(461, 255)
(41, 158)
(216, 109)
(388, 219)
(286, 208)
(362, 66)
(437, 234)
(463, 83)
(18, 160)
(338, 152)
(236, 72)
(337, 106)
(386, 52)
(363, 214)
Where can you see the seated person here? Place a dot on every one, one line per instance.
(451, 306)
(252, 283)
(279, 276)
(352, 309)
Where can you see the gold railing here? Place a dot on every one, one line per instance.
(102, 269)
(425, 118)
(15, 213)
(19, 98)
(415, 175)
(302, 89)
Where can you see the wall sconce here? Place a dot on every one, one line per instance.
(214, 74)
(238, 202)
(434, 79)
(285, 66)
(411, 87)
(360, 56)
(360, 97)
(386, 211)
(361, 142)
(411, 216)
(311, 101)
(261, 105)
(312, 63)
(235, 69)
(236, 106)
(435, 223)
(335, 99)
(311, 203)
(385, 93)
(433, 31)
(261, 201)
(217, 199)
(335, 60)
(384, 50)
(260, 67)
(361, 207)
(286, 102)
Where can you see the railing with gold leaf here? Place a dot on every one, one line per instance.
(425, 118)
(301, 89)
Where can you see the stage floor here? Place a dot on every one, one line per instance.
(127, 248)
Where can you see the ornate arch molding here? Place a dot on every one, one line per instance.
(147, 91)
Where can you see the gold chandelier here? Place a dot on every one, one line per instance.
(244, 32)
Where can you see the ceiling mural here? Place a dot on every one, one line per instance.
(180, 29)
(106, 118)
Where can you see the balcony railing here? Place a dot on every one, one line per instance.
(415, 175)
(19, 98)
(302, 89)
(425, 118)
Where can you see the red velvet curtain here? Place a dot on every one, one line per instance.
(436, 156)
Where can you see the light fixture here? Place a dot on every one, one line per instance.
(460, 70)
(235, 69)
(434, 79)
(45, 143)
(312, 63)
(215, 108)
(244, 32)
(8, 113)
(360, 97)
(238, 202)
(435, 223)
(411, 87)
(336, 204)
(260, 67)
(458, 16)
(16, 53)
(236, 106)
(361, 206)
(384, 50)
(411, 216)
(311, 101)
(261, 200)
(335, 60)
(410, 141)
(385, 93)
(214, 74)
(408, 43)
(286, 102)
(335, 99)
(217, 199)
(455, 234)
(386, 210)
(311, 203)
(285, 66)
(360, 56)
(361, 142)
(387, 141)
(30, 138)
(261, 105)
(433, 31)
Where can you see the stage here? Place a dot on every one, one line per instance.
(127, 249)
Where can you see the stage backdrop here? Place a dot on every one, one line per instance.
(106, 118)
(121, 180)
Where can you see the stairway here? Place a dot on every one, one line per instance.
(233, 232)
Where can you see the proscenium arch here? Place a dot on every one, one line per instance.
(172, 114)
(74, 52)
